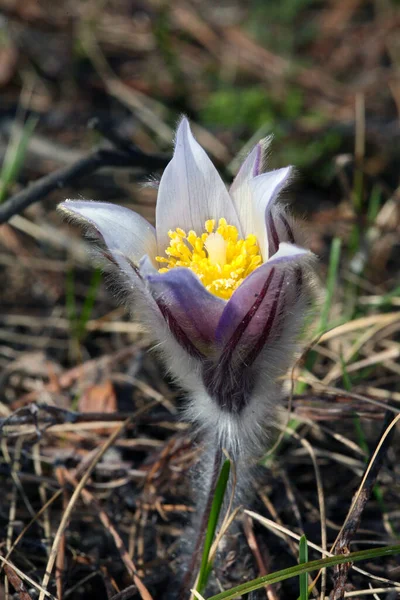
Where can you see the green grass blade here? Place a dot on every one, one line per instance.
(331, 282)
(88, 304)
(216, 506)
(361, 438)
(70, 304)
(78, 322)
(330, 289)
(374, 204)
(322, 563)
(303, 558)
(15, 156)
(385, 301)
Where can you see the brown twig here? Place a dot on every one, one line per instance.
(16, 582)
(253, 545)
(90, 500)
(101, 157)
(128, 592)
(78, 490)
(25, 577)
(66, 516)
(60, 561)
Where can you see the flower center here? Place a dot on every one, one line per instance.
(219, 258)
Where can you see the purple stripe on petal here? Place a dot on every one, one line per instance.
(193, 308)
(228, 384)
(272, 247)
(269, 326)
(240, 189)
(257, 162)
(252, 317)
(288, 229)
(265, 190)
(244, 323)
(177, 331)
(248, 293)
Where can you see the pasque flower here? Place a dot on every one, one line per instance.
(222, 282)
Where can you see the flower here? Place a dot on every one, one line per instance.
(222, 282)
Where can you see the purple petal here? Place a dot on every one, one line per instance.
(127, 235)
(191, 191)
(253, 304)
(231, 380)
(272, 324)
(181, 293)
(253, 317)
(265, 190)
(281, 228)
(287, 235)
(240, 190)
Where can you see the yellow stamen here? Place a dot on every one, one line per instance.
(219, 258)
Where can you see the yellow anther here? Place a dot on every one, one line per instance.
(198, 246)
(191, 237)
(218, 257)
(210, 224)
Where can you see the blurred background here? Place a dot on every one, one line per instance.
(321, 77)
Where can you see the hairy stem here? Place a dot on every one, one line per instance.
(195, 558)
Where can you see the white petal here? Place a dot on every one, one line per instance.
(191, 191)
(240, 190)
(265, 190)
(289, 253)
(127, 235)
